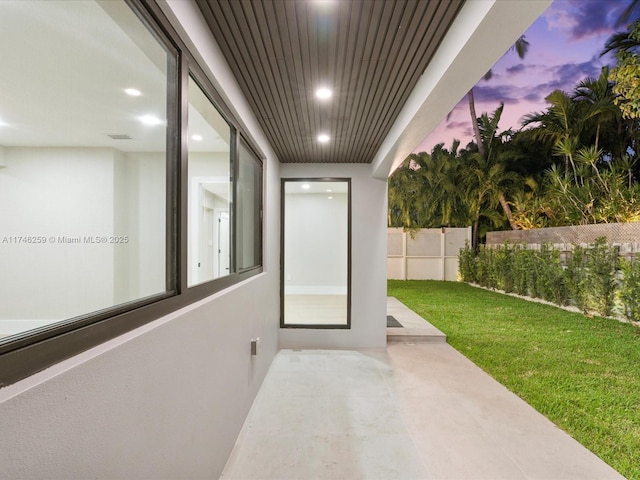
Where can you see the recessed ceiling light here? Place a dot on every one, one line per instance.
(323, 138)
(305, 186)
(323, 93)
(330, 198)
(133, 92)
(328, 190)
(150, 120)
(197, 138)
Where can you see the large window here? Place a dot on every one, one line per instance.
(83, 149)
(249, 186)
(127, 188)
(209, 189)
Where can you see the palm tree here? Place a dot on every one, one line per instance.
(625, 41)
(486, 178)
(483, 185)
(439, 172)
(573, 204)
(589, 157)
(424, 193)
(402, 196)
(433, 185)
(631, 12)
(598, 97)
(491, 142)
(562, 123)
(521, 46)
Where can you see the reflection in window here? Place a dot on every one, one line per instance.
(209, 190)
(83, 134)
(249, 209)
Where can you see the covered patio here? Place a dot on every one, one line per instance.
(412, 411)
(166, 395)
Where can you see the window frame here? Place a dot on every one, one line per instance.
(200, 80)
(258, 195)
(37, 349)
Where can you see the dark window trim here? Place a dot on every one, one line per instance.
(38, 349)
(283, 181)
(259, 195)
(174, 152)
(202, 78)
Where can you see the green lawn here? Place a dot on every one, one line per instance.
(582, 373)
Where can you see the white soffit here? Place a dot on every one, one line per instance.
(481, 33)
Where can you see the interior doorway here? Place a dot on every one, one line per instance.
(205, 263)
(209, 253)
(223, 243)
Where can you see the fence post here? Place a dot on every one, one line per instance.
(404, 255)
(443, 236)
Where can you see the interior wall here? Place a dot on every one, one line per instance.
(65, 195)
(368, 261)
(166, 400)
(316, 246)
(147, 216)
(38, 199)
(125, 211)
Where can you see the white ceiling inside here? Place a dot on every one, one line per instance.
(65, 66)
(315, 187)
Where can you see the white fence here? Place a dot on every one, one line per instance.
(428, 254)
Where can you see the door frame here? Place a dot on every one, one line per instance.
(283, 182)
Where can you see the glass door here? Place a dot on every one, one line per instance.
(316, 253)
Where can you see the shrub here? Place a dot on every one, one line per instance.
(521, 262)
(551, 279)
(588, 280)
(576, 277)
(630, 289)
(467, 265)
(503, 262)
(601, 276)
(484, 266)
(533, 258)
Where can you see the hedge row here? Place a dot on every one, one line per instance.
(593, 278)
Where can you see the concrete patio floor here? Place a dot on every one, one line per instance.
(412, 411)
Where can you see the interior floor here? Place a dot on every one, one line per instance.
(407, 412)
(315, 309)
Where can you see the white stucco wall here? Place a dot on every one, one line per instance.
(368, 261)
(166, 400)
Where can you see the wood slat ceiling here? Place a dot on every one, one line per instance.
(370, 53)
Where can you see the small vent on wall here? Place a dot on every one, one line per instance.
(119, 136)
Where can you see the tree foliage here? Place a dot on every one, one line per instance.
(576, 162)
(626, 75)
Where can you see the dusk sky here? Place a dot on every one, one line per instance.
(564, 48)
